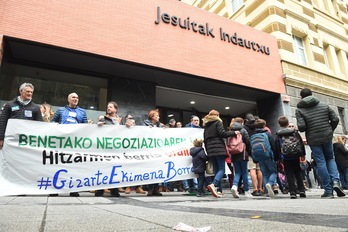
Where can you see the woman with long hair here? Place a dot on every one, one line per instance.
(214, 134)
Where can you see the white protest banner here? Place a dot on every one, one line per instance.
(43, 158)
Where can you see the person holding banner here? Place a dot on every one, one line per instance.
(22, 107)
(214, 134)
(70, 114)
(153, 121)
(111, 118)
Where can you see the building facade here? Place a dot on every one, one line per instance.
(312, 37)
(143, 54)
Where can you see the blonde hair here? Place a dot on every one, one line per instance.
(198, 142)
(49, 113)
(214, 112)
(338, 139)
(237, 119)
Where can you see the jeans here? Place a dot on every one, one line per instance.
(190, 184)
(327, 169)
(241, 169)
(219, 169)
(344, 178)
(269, 172)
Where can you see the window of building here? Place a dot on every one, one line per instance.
(300, 50)
(54, 86)
(236, 4)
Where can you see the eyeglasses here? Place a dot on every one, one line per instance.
(129, 118)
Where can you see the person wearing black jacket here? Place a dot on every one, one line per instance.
(199, 159)
(214, 134)
(319, 121)
(291, 162)
(341, 158)
(22, 107)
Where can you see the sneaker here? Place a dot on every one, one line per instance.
(213, 190)
(337, 187)
(248, 194)
(220, 195)
(293, 196)
(200, 195)
(234, 191)
(303, 194)
(275, 189)
(270, 190)
(327, 195)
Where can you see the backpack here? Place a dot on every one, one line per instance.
(235, 144)
(260, 147)
(290, 146)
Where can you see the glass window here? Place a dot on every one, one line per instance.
(53, 87)
(300, 50)
(236, 4)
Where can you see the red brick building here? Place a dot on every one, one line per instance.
(142, 54)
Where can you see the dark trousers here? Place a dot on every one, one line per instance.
(201, 179)
(292, 169)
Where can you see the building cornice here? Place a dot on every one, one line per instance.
(327, 30)
(298, 82)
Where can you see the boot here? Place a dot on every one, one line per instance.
(150, 192)
(99, 193)
(160, 189)
(114, 192)
(140, 190)
(180, 189)
(156, 192)
(128, 190)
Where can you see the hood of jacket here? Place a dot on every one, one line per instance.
(260, 130)
(308, 102)
(210, 119)
(285, 131)
(237, 126)
(195, 150)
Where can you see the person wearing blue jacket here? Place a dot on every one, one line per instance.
(70, 114)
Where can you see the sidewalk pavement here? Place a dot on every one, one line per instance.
(137, 212)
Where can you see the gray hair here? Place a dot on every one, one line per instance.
(72, 94)
(24, 85)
